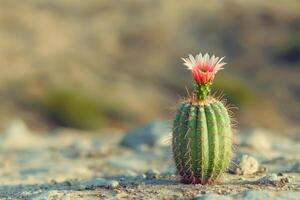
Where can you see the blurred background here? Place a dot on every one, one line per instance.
(117, 64)
(89, 88)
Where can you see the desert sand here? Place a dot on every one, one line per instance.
(72, 164)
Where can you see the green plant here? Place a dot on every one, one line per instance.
(237, 91)
(73, 109)
(202, 133)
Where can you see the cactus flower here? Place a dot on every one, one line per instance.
(204, 67)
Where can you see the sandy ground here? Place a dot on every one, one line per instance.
(70, 164)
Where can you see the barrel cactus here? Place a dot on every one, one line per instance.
(202, 133)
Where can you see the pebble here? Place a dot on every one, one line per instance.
(271, 178)
(280, 177)
(152, 174)
(285, 178)
(113, 184)
(245, 165)
(280, 174)
(17, 136)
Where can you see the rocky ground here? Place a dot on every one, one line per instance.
(71, 164)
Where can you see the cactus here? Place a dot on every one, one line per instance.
(202, 134)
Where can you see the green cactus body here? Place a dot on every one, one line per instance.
(202, 134)
(202, 141)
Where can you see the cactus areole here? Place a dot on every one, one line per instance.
(202, 133)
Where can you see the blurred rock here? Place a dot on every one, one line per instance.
(16, 127)
(245, 165)
(151, 135)
(17, 136)
(112, 184)
(270, 178)
(280, 174)
(256, 139)
(296, 167)
(152, 174)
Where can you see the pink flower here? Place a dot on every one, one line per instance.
(204, 67)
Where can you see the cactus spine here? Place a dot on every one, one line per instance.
(202, 137)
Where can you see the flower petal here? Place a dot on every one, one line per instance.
(203, 66)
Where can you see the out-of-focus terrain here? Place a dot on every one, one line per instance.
(91, 63)
(139, 165)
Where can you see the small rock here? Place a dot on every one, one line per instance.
(245, 165)
(296, 167)
(256, 139)
(68, 183)
(113, 184)
(17, 127)
(152, 174)
(211, 197)
(152, 134)
(271, 178)
(280, 174)
(17, 136)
